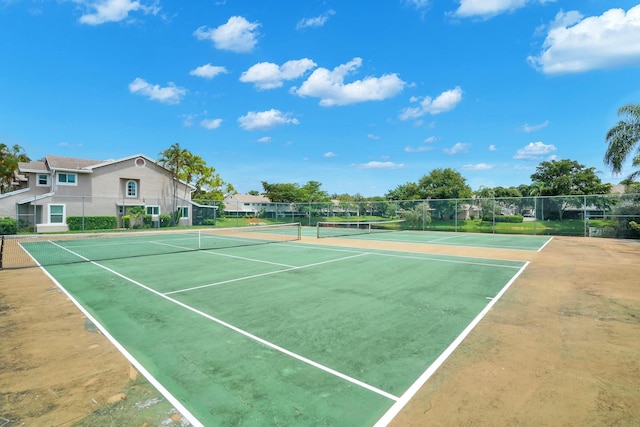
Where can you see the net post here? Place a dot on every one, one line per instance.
(199, 239)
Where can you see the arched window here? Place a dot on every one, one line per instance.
(132, 189)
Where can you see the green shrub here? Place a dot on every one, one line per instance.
(126, 221)
(92, 223)
(165, 220)
(8, 225)
(504, 218)
(208, 221)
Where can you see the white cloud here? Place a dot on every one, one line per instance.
(459, 147)
(478, 167)
(430, 139)
(576, 44)
(264, 139)
(267, 75)
(208, 71)
(329, 86)
(264, 120)
(211, 123)
(330, 154)
(532, 128)
(372, 136)
(237, 35)
(315, 22)
(170, 94)
(492, 147)
(102, 11)
(380, 165)
(418, 4)
(418, 149)
(489, 8)
(534, 151)
(446, 101)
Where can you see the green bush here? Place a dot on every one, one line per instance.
(8, 225)
(504, 218)
(92, 223)
(165, 220)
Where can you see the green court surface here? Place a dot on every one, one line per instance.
(483, 240)
(284, 333)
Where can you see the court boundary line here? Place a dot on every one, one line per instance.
(245, 333)
(170, 397)
(435, 242)
(420, 382)
(412, 255)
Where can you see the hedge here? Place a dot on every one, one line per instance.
(8, 225)
(504, 218)
(92, 223)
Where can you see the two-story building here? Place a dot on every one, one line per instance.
(58, 187)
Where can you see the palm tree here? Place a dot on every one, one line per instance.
(174, 159)
(622, 139)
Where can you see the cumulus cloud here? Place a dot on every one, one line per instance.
(446, 101)
(372, 136)
(492, 147)
(267, 75)
(534, 151)
(211, 123)
(458, 147)
(208, 71)
(488, 8)
(315, 22)
(264, 120)
(264, 139)
(329, 86)
(330, 154)
(102, 11)
(576, 44)
(532, 128)
(380, 165)
(237, 35)
(170, 94)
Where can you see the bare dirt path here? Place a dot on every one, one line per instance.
(560, 348)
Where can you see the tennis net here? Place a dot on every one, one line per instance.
(339, 228)
(42, 250)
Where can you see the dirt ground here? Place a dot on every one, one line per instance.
(561, 348)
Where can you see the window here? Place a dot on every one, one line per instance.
(184, 211)
(56, 214)
(153, 210)
(43, 180)
(132, 189)
(67, 178)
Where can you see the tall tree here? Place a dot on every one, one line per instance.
(624, 140)
(444, 184)
(567, 178)
(9, 159)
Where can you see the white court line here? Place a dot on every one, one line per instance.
(171, 398)
(245, 333)
(264, 274)
(545, 244)
(224, 255)
(417, 385)
(416, 256)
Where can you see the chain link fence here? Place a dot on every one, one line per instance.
(589, 215)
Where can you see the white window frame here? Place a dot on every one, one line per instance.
(49, 213)
(135, 188)
(182, 210)
(47, 177)
(67, 175)
(154, 207)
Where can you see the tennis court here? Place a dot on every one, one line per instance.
(235, 331)
(391, 231)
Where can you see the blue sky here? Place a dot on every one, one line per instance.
(361, 96)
